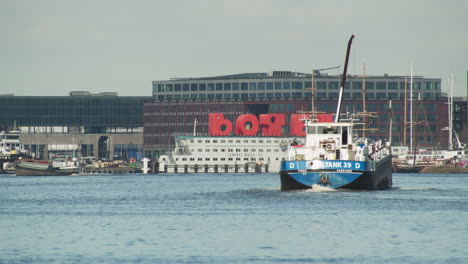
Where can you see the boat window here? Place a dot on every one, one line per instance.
(246, 150)
(215, 159)
(207, 159)
(238, 159)
(207, 150)
(252, 150)
(215, 141)
(246, 159)
(207, 141)
(200, 159)
(200, 150)
(215, 150)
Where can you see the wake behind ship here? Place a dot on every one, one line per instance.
(334, 156)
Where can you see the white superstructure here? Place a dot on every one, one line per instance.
(229, 150)
(10, 143)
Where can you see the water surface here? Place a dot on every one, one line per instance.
(230, 218)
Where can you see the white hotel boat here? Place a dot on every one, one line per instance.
(228, 150)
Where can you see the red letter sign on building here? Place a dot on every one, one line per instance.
(271, 124)
(218, 126)
(241, 123)
(297, 126)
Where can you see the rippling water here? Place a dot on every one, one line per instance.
(230, 218)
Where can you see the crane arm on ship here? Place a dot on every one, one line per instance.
(343, 80)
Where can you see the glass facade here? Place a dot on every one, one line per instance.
(297, 88)
(75, 114)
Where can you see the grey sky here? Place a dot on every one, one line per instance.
(51, 47)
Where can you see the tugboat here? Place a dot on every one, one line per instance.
(334, 157)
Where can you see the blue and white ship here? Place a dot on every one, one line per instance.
(333, 156)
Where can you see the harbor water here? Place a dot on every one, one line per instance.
(230, 218)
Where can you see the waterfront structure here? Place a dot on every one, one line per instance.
(105, 126)
(181, 106)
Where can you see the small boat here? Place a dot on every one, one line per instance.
(46, 168)
(334, 157)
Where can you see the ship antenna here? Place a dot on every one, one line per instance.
(343, 80)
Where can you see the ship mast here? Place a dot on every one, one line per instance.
(405, 126)
(364, 98)
(312, 87)
(451, 115)
(411, 108)
(343, 80)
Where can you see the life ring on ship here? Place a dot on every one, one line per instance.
(329, 146)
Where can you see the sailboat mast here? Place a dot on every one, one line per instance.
(364, 98)
(391, 122)
(312, 86)
(405, 125)
(450, 108)
(343, 80)
(411, 108)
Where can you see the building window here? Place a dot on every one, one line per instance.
(370, 85)
(227, 86)
(392, 85)
(286, 85)
(244, 86)
(261, 86)
(269, 86)
(381, 86)
(333, 85)
(297, 85)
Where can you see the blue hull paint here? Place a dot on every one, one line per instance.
(366, 176)
(327, 178)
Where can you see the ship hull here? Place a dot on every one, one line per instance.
(27, 169)
(373, 175)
